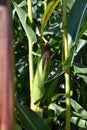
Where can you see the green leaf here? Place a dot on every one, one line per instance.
(57, 109)
(74, 23)
(70, 3)
(56, 96)
(79, 109)
(49, 10)
(80, 45)
(79, 122)
(23, 3)
(51, 85)
(79, 116)
(50, 89)
(29, 119)
(81, 71)
(68, 62)
(76, 18)
(17, 127)
(83, 29)
(23, 17)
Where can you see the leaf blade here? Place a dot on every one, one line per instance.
(49, 10)
(74, 23)
(29, 119)
(79, 109)
(23, 17)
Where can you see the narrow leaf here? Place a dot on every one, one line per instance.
(23, 17)
(79, 109)
(80, 45)
(80, 69)
(79, 122)
(83, 28)
(49, 10)
(57, 109)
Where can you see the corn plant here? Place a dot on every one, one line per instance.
(55, 34)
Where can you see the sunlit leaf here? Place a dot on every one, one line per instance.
(57, 109)
(78, 119)
(49, 10)
(79, 122)
(80, 69)
(56, 96)
(83, 28)
(79, 109)
(23, 17)
(70, 3)
(80, 45)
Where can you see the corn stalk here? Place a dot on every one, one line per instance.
(6, 67)
(30, 43)
(67, 75)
